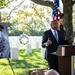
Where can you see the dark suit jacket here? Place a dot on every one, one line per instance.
(53, 47)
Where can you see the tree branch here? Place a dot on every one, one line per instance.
(16, 7)
(45, 3)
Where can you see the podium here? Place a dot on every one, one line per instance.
(65, 55)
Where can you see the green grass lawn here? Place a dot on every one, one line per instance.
(24, 64)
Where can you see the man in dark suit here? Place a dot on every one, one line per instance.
(51, 43)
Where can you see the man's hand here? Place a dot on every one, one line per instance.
(70, 39)
(49, 42)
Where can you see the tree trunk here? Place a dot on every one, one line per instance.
(67, 9)
(67, 20)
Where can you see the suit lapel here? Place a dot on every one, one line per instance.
(59, 35)
(52, 35)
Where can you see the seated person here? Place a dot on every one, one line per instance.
(52, 72)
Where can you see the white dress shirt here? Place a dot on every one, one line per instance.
(53, 31)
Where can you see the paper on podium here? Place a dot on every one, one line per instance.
(60, 51)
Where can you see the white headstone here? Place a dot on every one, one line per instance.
(14, 54)
(37, 45)
(18, 45)
(28, 48)
(13, 44)
(43, 52)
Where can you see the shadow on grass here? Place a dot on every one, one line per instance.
(27, 62)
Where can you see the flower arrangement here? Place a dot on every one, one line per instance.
(23, 39)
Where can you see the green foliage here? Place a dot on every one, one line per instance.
(5, 3)
(15, 33)
(2, 3)
(25, 63)
(32, 20)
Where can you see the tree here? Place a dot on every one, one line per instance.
(32, 20)
(67, 10)
(28, 18)
(4, 16)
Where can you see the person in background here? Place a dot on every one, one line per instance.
(52, 72)
(50, 40)
(4, 45)
(63, 29)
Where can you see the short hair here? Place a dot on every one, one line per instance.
(53, 21)
(52, 72)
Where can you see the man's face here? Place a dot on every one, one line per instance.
(54, 25)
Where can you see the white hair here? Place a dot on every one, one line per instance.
(52, 72)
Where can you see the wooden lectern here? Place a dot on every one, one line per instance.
(65, 55)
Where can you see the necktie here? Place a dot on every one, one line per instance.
(56, 37)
